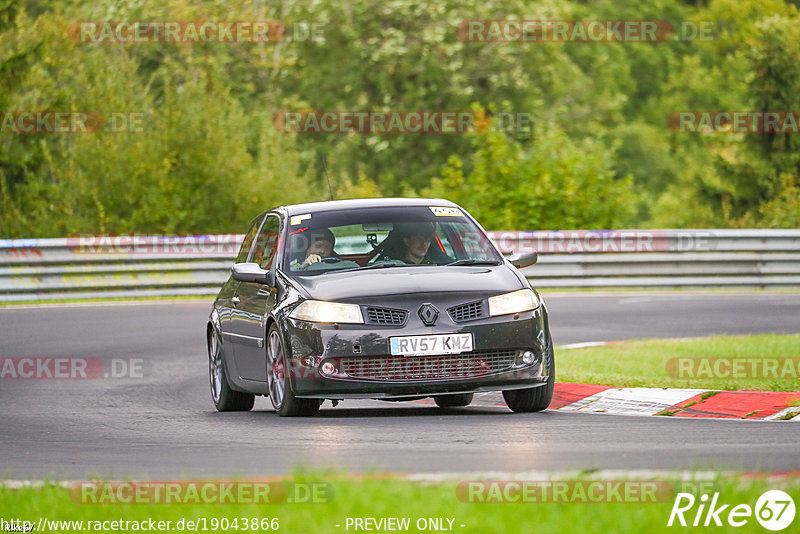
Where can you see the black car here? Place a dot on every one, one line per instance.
(390, 299)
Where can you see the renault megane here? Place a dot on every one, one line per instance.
(391, 299)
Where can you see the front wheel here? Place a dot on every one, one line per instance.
(453, 401)
(225, 399)
(534, 399)
(280, 391)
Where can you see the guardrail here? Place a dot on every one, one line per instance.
(128, 266)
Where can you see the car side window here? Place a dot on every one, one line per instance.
(249, 237)
(267, 242)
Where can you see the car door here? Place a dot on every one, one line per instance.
(254, 303)
(227, 301)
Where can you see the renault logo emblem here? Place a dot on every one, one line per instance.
(428, 313)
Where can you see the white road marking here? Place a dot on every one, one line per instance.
(632, 401)
(790, 414)
(583, 345)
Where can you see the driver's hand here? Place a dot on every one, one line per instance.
(313, 258)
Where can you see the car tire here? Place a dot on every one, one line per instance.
(534, 399)
(453, 401)
(224, 397)
(280, 390)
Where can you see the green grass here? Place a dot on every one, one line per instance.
(387, 497)
(643, 363)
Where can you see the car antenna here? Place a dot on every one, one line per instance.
(325, 166)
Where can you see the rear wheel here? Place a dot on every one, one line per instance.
(225, 399)
(534, 399)
(280, 391)
(453, 401)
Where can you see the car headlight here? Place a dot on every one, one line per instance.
(514, 302)
(319, 311)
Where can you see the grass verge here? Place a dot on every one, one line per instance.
(646, 363)
(380, 497)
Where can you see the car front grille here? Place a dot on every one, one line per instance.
(466, 312)
(447, 366)
(386, 316)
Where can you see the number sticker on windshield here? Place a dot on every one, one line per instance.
(446, 212)
(297, 219)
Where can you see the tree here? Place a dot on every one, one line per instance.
(558, 183)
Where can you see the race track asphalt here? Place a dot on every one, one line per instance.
(164, 423)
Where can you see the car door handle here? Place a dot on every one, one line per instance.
(236, 300)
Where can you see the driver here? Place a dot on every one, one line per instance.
(415, 239)
(321, 242)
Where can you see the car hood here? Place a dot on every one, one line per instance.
(405, 280)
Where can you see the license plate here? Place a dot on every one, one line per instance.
(432, 344)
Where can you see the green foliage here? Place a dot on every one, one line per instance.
(198, 163)
(207, 156)
(556, 183)
(737, 180)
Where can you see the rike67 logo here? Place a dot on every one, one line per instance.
(774, 510)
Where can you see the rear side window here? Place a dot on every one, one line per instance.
(267, 242)
(248, 239)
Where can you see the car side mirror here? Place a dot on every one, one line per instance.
(523, 260)
(251, 272)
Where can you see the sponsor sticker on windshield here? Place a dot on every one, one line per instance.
(297, 219)
(446, 212)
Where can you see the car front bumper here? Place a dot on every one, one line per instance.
(494, 364)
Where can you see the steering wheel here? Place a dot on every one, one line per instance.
(331, 259)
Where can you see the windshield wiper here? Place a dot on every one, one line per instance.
(470, 261)
(381, 265)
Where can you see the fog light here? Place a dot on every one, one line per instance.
(328, 368)
(528, 357)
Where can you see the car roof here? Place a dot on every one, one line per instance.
(356, 203)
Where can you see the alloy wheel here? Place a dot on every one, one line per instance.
(215, 367)
(277, 370)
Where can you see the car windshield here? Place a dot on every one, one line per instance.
(374, 238)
